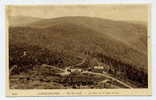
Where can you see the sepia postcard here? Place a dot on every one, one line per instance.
(78, 50)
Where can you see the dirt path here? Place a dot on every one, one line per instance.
(108, 76)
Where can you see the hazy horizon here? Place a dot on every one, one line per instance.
(112, 12)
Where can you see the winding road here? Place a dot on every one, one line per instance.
(110, 77)
(100, 74)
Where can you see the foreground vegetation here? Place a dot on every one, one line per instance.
(36, 56)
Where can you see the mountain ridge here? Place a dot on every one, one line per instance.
(85, 33)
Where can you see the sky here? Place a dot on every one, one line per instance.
(114, 12)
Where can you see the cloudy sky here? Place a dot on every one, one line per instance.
(115, 12)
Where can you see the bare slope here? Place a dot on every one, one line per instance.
(127, 32)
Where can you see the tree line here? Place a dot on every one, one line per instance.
(131, 72)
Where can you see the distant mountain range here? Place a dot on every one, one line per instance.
(125, 41)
